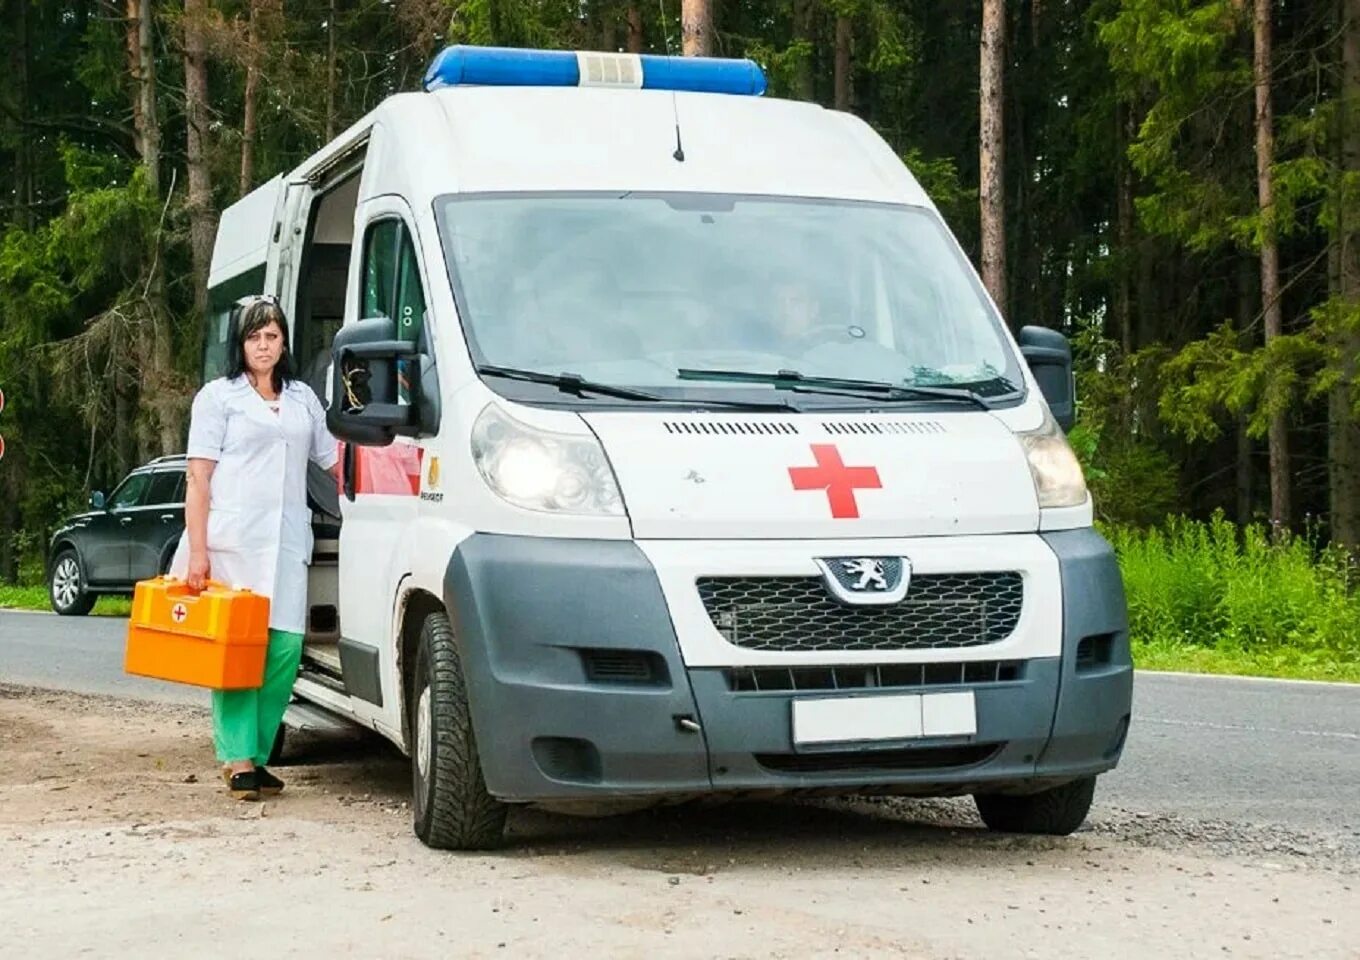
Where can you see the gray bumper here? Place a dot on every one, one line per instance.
(578, 690)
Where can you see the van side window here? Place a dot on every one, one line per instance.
(391, 278)
(391, 282)
(379, 275)
(410, 311)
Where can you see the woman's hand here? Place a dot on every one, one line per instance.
(199, 570)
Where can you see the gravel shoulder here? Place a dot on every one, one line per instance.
(117, 836)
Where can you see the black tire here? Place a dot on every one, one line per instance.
(1055, 812)
(453, 810)
(66, 586)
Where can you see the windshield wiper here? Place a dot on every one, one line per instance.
(578, 386)
(839, 386)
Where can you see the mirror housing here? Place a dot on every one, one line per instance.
(97, 500)
(366, 363)
(1049, 355)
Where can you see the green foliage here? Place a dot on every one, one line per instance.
(1133, 481)
(939, 177)
(1218, 586)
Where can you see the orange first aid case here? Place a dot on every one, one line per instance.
(214, 639)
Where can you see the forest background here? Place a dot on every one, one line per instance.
(1175, 185)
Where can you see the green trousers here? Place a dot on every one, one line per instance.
(245, 721)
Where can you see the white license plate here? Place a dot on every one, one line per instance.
(898, 717)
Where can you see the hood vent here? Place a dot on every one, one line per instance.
(730, 428)
(868, 427)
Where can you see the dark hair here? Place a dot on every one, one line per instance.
(248, 315)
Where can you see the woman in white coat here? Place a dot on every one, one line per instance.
(247, 522)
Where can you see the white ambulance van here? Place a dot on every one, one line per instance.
(684, 454)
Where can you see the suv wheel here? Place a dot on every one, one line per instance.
(453, 810)
(66, 586)
(1056, 812)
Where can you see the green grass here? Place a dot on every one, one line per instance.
(35, 598)
(1282, 664)
(1216, 598)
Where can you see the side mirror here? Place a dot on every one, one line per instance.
(97, 500)
(369, 368)
(1049, 356)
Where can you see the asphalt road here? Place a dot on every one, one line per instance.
(1207, 748)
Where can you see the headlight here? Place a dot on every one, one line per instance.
(541, 470)
(1057, 474)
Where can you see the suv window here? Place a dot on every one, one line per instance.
(166, 487)
(130, 492)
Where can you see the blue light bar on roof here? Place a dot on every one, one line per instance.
(509, 67)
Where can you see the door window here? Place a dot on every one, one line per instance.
(391, 278)
(165, 486)
(130, 492)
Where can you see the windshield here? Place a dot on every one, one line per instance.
(632, 289)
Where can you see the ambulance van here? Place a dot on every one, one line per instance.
(684, 454)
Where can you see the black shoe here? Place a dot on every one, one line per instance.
(270, 785)
(245, 786)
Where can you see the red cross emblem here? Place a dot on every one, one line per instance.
(178, 613)
(839, 481)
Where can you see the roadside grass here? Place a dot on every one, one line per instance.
(1287, 665)
(1204, 597)
(34, 597)
(1217, 598)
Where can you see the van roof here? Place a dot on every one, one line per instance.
(528, 139)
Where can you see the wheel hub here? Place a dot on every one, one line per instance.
(65, 582)
(424, 740)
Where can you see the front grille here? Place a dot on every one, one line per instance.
(797, 615)
(873, 676)
(911, 758)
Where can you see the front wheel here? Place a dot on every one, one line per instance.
(1055, 812)
(453, 810)
(66, 587)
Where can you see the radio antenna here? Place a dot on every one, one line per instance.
(665, 28)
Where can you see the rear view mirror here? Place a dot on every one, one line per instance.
(1049, 356)
(97, 500)
(369, 368)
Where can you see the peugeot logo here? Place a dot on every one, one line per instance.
(866, 580)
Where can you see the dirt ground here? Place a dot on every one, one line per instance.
(117, 838)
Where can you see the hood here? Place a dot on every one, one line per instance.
(810, 476)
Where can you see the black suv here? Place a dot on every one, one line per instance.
(127, 537)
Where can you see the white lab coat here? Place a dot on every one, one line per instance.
(259, 524)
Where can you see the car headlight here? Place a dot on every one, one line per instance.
(1057, 475)
(542, 470)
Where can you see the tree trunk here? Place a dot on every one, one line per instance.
(161, 432)
(1278, 439)
(696, 27)
(1343, 459)
(1247, 280)
(330, 74)
(992, 151)
(804, 25)
(202, 216)
(634, 28)
(252, 83)
(142, 65)
(1124, 227)
(844, 39)
(24, 213)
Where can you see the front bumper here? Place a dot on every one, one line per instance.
(578, 689)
